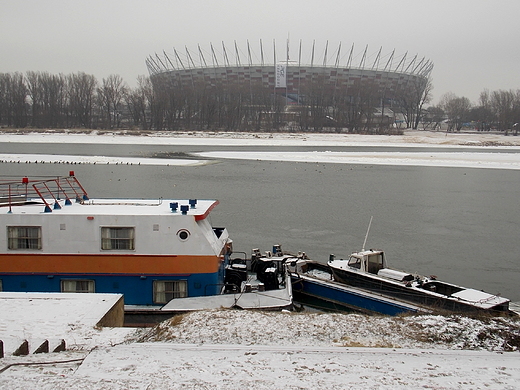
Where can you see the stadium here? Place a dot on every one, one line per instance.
(276, 87)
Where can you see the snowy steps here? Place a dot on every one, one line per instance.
(17, 347)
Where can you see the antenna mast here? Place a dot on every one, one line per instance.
(366, 235)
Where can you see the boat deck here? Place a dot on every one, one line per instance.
(274, 299)
(355, 298)
(265, 300)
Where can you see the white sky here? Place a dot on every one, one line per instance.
(473, 44)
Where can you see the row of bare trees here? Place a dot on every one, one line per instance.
(498, 110)
(43, 100)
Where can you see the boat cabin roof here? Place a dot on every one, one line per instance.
(200, 209)
(366, 253)
(65, 195)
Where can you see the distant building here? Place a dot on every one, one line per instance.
(339, 90)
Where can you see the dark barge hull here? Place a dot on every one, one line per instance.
(330, 295)
(410, 294)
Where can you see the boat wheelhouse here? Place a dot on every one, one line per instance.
(58, 239)
(368, 270)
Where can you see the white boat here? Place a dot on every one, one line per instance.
(368, 270)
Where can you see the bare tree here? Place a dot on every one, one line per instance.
(81, 95)
(411, 98)
(138, 102)
(13, 100)
(111, 95)
(457, 110)
(4, 96)
(422, 92)
(433, 117)
(504, 105)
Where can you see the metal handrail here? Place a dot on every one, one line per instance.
(50, 191)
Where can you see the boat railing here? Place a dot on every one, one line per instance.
(121, 203)
(51, 191)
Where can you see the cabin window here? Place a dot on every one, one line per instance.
(375, 263)
(24, 237)
(1, 288)
(166, 290)
(354, 262)
(77, 286)
(117, 238)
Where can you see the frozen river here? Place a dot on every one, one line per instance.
(452, 220)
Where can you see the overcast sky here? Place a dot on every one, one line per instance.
(474, 44)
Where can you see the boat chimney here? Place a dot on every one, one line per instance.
(331, 257)
(174, 206)
(184, 209)
(193, 203)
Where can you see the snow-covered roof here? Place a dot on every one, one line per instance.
(39, 316)
(120, 207)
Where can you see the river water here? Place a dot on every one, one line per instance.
(461, 224)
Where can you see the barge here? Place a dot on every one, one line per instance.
(313, 285)
(57, 239)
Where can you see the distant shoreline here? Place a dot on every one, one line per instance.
(409, 137)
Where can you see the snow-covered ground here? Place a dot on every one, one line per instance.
(227, 349)
(506, 150)
(461, 160)
(409, 137)
(234, 349)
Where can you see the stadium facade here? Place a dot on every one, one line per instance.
(297, 81)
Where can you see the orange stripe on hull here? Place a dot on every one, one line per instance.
(113, 264)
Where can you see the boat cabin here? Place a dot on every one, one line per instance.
(368, 261)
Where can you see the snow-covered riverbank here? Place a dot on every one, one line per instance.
(227, 349)
(231, 349)
(476, 148)
(409, 137)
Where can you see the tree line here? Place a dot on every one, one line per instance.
(321, 103)
(44, 100)
(495, 110)
(79, 100)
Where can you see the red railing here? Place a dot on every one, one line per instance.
(51, 191)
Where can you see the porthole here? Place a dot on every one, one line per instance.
(183, 234)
